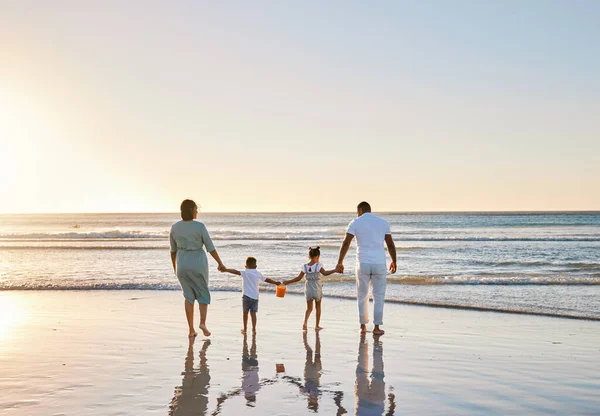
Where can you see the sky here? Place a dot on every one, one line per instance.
(111, 106)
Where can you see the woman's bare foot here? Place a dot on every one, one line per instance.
(363, 329)
(205, 330)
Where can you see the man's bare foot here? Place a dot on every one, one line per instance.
(363, 329)
(318, 328)
(205, 330)
(378, 331)
(243, 331)
(192, 334)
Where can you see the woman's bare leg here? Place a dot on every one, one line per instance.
(203, 312)
(189, 314)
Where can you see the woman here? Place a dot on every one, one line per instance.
(190, 263)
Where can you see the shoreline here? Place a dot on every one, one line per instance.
(327, 296)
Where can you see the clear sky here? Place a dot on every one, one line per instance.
(113, 106)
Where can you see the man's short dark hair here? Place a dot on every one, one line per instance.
(251, 262)
(364, 207)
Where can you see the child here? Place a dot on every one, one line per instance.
(313, 288)
(250, 279)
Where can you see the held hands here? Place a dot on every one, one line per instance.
(339, 268)
(221, 268)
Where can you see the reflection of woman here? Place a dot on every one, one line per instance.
(191, 398)
(188, 237)
(369, 394)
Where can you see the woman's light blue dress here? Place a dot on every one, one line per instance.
(187, 240)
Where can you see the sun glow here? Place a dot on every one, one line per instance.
(11, 314)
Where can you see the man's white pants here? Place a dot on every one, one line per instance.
(368, 275)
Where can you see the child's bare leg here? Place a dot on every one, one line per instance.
(203, 312)
(189, 314)
(253, 316)
(309, 308)
(243, 331)
(318, 310)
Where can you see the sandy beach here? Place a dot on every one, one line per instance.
(127, 353)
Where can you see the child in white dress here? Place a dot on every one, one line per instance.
(313, 289)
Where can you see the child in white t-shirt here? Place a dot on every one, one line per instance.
(250, 280)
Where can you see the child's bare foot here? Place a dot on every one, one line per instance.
(205, 330)
(254, 332)
(318, 328)
(243, 331)
(304, 327)
(363, 329)
(192, 334)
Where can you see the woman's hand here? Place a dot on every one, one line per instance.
(221, 268)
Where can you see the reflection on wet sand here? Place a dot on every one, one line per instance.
(250, 379)
(313, 368)
(191, 398)
(369, 392)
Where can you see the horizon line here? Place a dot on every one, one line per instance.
(308, 212)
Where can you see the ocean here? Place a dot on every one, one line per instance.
(526, 262)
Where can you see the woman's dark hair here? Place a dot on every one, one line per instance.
(314, 252)
(187, 210)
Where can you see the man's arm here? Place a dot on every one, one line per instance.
(389, 242)
(343, 251)
(232, 271)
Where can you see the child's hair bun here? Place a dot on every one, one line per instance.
(314, 251)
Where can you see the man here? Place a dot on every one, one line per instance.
(370, 231)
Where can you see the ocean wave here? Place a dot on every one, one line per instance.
(325, 236)
(98, 235)
(479, 280)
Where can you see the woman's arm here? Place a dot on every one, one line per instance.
(215, 256)
(174, 261)
(294, 280)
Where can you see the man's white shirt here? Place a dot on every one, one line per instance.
(370, 231)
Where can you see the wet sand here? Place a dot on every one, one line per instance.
(127, 353)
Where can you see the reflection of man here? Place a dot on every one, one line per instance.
(370, 231)
(191, 398)
(250, 378)
(369, 394)
(312, 372)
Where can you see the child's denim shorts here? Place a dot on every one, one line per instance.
(249, 304)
